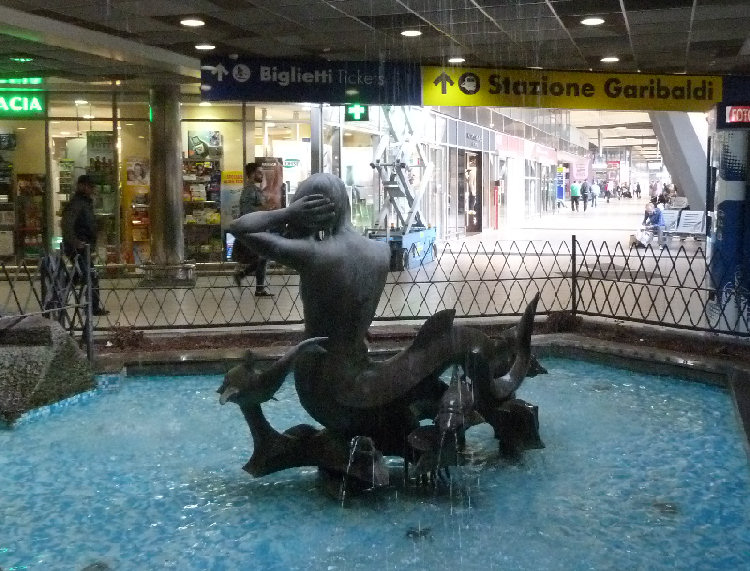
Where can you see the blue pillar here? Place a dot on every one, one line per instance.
(730, 241)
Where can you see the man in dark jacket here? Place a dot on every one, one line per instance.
(252, 199)
(79, 230)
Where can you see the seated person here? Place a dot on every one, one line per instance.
(653, 223)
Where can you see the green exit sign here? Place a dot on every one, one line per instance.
(356, 112)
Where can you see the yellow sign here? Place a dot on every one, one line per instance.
(232, 177)
(469, 87)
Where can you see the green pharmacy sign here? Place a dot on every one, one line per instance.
(21, 104)
(356, 112)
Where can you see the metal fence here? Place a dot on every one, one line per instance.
(54, 288)
(679, 287)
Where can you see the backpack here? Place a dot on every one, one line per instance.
(585, 188)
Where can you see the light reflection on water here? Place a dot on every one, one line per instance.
(639, 472)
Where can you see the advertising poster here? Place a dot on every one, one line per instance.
(205, 144)
(231, 189)
(138, 175)
(273, 181)
(135, 213)
(100, 148)
(582, 171)
(613, 170)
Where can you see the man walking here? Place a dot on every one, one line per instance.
(79, 229)
(252, 199)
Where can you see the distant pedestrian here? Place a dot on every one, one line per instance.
(575, 195)
(585, 194)
(595, 192)
(638, 190)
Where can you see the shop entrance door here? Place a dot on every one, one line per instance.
(473, 192)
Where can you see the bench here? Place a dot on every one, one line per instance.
(690, 223)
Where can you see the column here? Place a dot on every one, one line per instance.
(167, 241)
(684, 154)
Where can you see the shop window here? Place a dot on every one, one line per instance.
(135, 179)
(212, 175)
(23, 189)
(82, 107)
(133, 106)
(207, 111)
(88, 147)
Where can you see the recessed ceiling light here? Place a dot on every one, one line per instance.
(411, 33)
(81, 102)
(609, 59)
(456, 60)
(593, 21)
(204, 104)
(205, 47)
(192, 22)
(21, 59)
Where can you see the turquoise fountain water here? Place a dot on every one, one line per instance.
(639, 472)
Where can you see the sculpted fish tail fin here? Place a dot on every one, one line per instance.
(435, 325)
(523, 342)
(520, 366)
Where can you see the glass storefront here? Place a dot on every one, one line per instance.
(458, 177)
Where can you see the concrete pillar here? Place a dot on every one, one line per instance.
(167, 241)
(684, 154)
(316, 139)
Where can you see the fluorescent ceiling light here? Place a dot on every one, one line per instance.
(456, 60)
(192, 22)
(205, 47)
(411, 33)
(609, 59)
(81, 102)
(592, 21)
(204, 104)
(88, 116)
(21, 59)
(535, 67)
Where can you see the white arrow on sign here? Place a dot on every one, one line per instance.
(220, 71)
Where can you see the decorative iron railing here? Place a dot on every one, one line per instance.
(680, 287)
(54, 288)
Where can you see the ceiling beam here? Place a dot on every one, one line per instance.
(46, 31)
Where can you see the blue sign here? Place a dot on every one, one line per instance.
(276, 80)
(560, 184)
